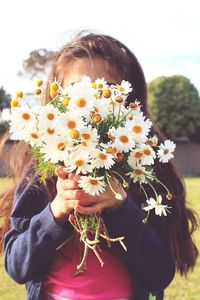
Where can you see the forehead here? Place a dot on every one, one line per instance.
(94, 68)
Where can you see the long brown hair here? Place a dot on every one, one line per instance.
(182, 222)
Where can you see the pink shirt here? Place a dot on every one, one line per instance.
(112, 281)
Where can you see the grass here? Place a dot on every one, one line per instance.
(181, 288)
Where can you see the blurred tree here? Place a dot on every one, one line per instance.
(4, 99)
(37, 64)
(174, 103)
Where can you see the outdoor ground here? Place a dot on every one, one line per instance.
(180, 288)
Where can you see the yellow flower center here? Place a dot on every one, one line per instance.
(79, 162)
(150, 143)
(66, 101)
(50, 116)
(74, 134)
(37, 92)
(119, 99)
(50, 131)
(102, 156)
(96, 118)
(39, 82)
(19, 94)
(138, 172)
(111, 150)
(61, 146)
(166, 151)
(147, 152)
(93, 181)
(100, 85)
(34, 135)
(84, 144)
(120, 88)
(26, 116)
(96, 96)
(54, 86)
(123, 139)
(85, 136)
(14, 103)
(53, 93)
(120, 156)
(71, 124)
(106, 93)
(133, 105)
(137, 129)
(138, 154)
(94, 85)
(81, 102)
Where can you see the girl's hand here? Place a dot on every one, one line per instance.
(67, 195)
(70, 196)
(89, 204)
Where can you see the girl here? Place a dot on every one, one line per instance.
(35, 247)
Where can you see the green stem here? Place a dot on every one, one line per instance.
(118, 196)
(145, 193)
(156, 194)
(163, 185)
(124, 182)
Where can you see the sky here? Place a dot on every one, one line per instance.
(164, 35)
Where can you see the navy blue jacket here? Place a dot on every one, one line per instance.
(34, 236)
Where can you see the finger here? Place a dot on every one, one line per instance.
(75, 194)
(61, 172)
(88, 210)
(69, 184)
(74, 176)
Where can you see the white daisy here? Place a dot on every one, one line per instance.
(101, 84)
(149, 155)
(165, 151)
(79, 162)
(48, 131)
(48, 114)
(152, 141)
(160, 209)
(125, 87)
(135, 157)
(102, 159)
(92, 185)
(33, 137)
(100, 106)
(81, 100)
(89, 134)
(139, 174)
(69, 121)
(21, 118)
(139, 128)
(56, 149)
(123, 140)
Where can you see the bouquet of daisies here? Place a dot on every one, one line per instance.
(89, 128)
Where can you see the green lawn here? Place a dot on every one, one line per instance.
(180, 288)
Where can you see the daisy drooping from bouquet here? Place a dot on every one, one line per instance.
(88, 128)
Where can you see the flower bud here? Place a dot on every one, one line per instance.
(14, 103)
(96, 118)
(19, 94)
(53, 93)
(74, 134)
(38, 92)
(106, 93)
(39, 82)
(66, 101)
(54, 86)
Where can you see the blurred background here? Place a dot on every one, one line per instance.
(164, 35)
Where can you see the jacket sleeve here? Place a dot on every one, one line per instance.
(34, 235)
(148, 256)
